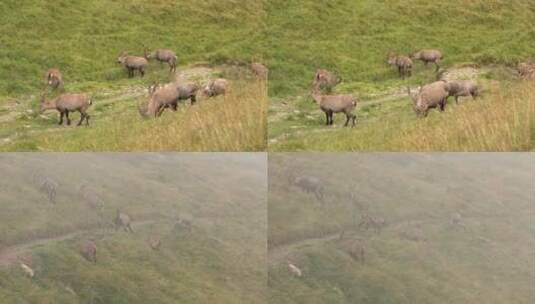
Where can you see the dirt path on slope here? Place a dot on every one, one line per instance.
(9, 255)
(279, 254)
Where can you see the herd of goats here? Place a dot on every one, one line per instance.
(161, 97)
(352, 241)
(122, 221)
(432, 95)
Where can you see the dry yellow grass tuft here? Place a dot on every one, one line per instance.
(501, 120)
(236, 122)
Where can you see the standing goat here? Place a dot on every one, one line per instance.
(216, 87)
(168, 96)
(46, 185)
(433, 95)
(260, 70)
(330, 104)
(403, 64)
(122, 220)
(310, 184)
(372, 222)
(54, 78)
(66, 103)
(163, 55)
(325, 80)
(462, 88)
(427, 56)
(89, 251)
(133, 63)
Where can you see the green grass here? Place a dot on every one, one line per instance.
(489, 261)
(84, 38)
(353, 38)
(221, 260)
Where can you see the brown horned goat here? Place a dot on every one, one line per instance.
(54, 78)
(462, 88)
(260, 70)
(325, 80)
(163, 55)
(133, 63)
(216, 87)
(66, 103)
(403, 64)
(89, 251)
(330, 104)
(427, 56)
(168, 96)
(431, 96)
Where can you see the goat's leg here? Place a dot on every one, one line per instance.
(354, 118)
(60, 118)
(348, 117)
(82, 117)
(326, 118)
(67, 117)
(193, 99)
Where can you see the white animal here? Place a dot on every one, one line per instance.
(27, 270)
(293, 269)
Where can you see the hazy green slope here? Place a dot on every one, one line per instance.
(222, 258)
(354, 37)
(486, 258)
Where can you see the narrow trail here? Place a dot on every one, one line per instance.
(9, 255)
(279, 254)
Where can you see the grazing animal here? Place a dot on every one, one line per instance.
(92, 199)
(122, 220)
(462, 88)
(457, 220)
(358, 251)
(168, 96)
(67, 103)
(294, 270)
(526, 70)
(89, 251)
(49, 186)
(433, 95)
(27, 270)
(325, 80)
(415, 234)
(54, 78)
(133, 63)
(427, 56)
(372, 222)
(310, 184)
(183, 224)
(403, 64)
(163, 55)
(155, 243)
(260, 70)
(330, 104)
(216, 87)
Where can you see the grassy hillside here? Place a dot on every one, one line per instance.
(353, 38)
(84, 39)
(485, 258)
(221, 259)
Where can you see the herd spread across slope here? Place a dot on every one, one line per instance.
(433, 95)
(161, 96)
